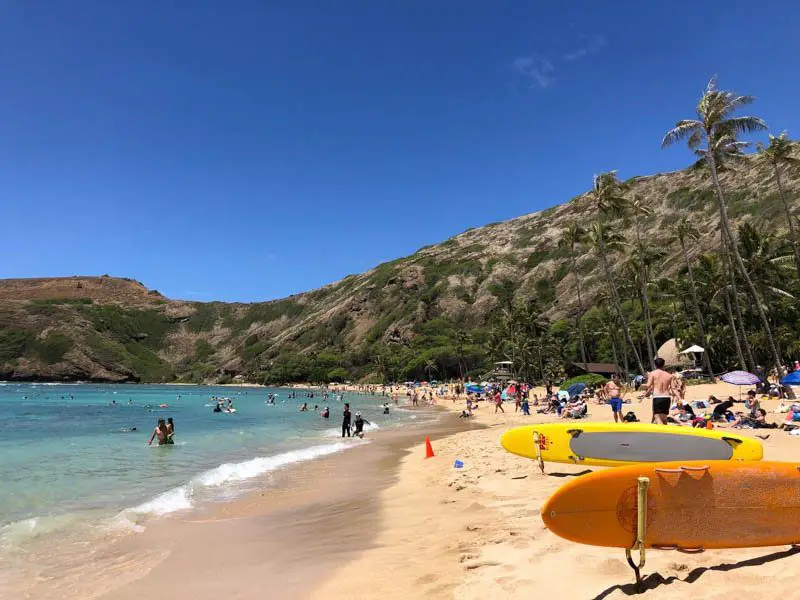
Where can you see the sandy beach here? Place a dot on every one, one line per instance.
(475, 533)
(381, 521)
(304, 524)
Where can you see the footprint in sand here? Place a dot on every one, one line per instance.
(480, 564)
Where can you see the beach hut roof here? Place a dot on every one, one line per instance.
(671, 354)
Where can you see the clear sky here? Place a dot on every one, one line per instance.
(246, 150)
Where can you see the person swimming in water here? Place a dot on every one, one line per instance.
(304, 408)
(326, 413)
(359, 423)
(159, 432)
(218, 407)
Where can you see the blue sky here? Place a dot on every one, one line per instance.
(249, 150)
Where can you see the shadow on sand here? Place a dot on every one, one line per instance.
(585, 472)
(655, 580)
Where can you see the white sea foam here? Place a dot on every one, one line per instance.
(182, 497)
(258, 466)
(179, 498)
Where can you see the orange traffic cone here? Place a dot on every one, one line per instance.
(428, 448)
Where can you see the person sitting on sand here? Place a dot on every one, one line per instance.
(720, 410)
(759, 421)
(792, 418)
(159, 432)
(684, 414)
(575, 409)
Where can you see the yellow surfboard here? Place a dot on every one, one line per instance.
(619, 444)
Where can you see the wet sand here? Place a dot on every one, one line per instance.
(281, 542)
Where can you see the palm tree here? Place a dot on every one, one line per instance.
(718, 129)
(779, 153)
(644, 256)
(430, 367)
(607, 199)
(683, 231)
(638, 210)
(574, 237)
(462, 338)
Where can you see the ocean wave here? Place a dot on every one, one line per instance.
(179, 498)
(182, 497)
(14, 533)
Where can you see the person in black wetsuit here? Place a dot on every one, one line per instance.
(359, 431)
(346, 415)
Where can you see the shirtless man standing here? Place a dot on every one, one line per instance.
(660, 385)
(611, 394)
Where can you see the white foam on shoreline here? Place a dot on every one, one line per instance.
(182, 497)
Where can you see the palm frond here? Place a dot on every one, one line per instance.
(683, 129)
(744, 125)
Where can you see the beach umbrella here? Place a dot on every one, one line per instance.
(575, 389)
(740, 378)
(791, 379)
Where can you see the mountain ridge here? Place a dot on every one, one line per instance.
(115, 329)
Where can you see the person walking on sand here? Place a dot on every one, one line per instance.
(612, 394)
(498, 402)
(661, 386)
(346, 415)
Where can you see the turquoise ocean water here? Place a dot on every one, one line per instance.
(70, 459)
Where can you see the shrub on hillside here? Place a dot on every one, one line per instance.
(589, 379)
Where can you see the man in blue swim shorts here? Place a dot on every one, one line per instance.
(612, 392)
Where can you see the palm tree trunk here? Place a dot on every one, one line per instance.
(613, 346)
(616, 302)
(792, 235)
(734, 294)
(700, 324)
(734, 331)
(723, 213)
(580, 311)
(648, 325)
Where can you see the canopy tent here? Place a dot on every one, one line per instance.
(693, 349)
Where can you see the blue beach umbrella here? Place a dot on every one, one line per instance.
(791, 379)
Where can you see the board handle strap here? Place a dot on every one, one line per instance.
(539, 458)
(682, 469)
(642, 485)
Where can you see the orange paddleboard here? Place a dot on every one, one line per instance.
(707, 504)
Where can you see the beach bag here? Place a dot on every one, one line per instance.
(630, 417)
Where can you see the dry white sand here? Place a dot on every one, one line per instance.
(475, 533)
